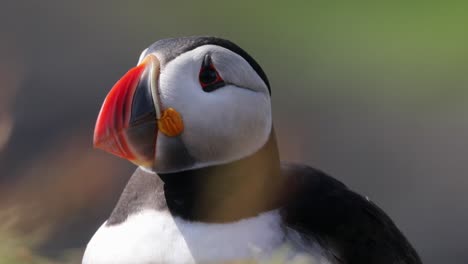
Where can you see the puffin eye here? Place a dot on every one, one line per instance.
(209, 77)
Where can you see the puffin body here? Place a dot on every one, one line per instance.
(155, 235)
(195, 116)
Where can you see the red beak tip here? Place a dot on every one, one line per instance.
(112, 130)
(97, 145)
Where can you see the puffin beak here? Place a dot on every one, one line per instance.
(127, 125)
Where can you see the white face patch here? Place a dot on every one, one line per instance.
(222, 126)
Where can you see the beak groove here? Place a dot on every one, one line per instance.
(127, 123)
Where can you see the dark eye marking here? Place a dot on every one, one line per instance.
(209, 77)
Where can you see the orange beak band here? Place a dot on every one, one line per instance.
(126, 125)
(130, 117)
(114, 116)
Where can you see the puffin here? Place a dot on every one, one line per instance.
(195, 116)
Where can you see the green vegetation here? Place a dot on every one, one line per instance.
(17, 247)
(409, 51)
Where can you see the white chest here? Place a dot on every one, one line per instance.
(157, 237)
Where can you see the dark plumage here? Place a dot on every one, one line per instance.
(338, 218)
(322, 209)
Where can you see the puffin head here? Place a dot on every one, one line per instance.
(189, 103)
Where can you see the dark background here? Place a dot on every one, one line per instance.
(374, 94)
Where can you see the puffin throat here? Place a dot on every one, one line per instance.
(127, 123)
(227, 192)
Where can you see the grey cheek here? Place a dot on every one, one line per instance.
(172, 155)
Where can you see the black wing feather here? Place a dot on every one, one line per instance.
(324, 209)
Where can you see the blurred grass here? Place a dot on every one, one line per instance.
(35, 210)
(17, 247)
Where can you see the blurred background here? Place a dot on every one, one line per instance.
(375, 94)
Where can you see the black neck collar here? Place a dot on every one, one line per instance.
(227, 192)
